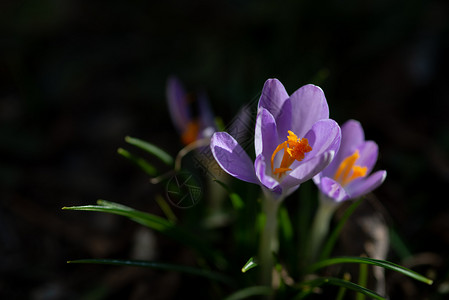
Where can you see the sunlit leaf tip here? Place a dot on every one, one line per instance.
(152, 149)
(251, 263)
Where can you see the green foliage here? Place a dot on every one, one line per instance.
(370, 261)
(140, 162)
(332, 239)
(152, 149)
(308, 286)
(156, 223)
(160, 266)
(251, 263)
(250, 291)
(247, 220)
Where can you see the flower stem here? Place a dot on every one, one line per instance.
(268, 240)
(320, 228)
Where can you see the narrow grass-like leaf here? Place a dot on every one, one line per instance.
(156, 223)
(371, 261)
(337, 282)
(303, 219)
(236, 200)
(398, 244)
(287, 237)
(286, 226)
(330, 242)
(363, 279)
(250, 292)
(251, 263)
(165, 207)
(160, 266)
(342, 291)
(139, 161)
(152, 149)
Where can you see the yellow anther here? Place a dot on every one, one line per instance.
(348, 171)
(294, 149)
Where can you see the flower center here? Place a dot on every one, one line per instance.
(294, 149)
(190, 134)
(347, 170)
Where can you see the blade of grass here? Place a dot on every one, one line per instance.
(287, 238)
(249, 292)
(140, 162)
(152, 149)
(303, 221)
(363, 279)
(236, 200)
(166, 209)
(160, 266)
(332, 239)
(337, 282)
(398, 244)
(342, 291)
(286, 226)
(156, 223)
(371, 261)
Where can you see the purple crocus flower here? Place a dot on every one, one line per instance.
(191, 127)
(347, 176)
(294, 140)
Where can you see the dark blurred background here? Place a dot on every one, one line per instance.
(76, 77)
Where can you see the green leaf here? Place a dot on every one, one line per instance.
(156, 223)
(371, 261)
(330, 242)
(309, 285)
(363, 279)
(285, 224)
(152, 149)
(250, 291)
(160, 266)
(251, 263)
(165, 207)
(342, 291)
(140, 162)
(398, 244)
(236, 200)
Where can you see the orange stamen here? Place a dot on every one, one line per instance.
(190, 134)
(294, 149)
(347, 170)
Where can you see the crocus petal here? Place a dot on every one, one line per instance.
(368, 155)
(232, 158)
(308, 106)
(268, 181)
(273, 97)
(333, 189)
(324, 138)
(352, 137)
(324, 135)
(307, 170)
(205, 113)
(363, 186)
(265, 137)
(177, 105)
(284, 121)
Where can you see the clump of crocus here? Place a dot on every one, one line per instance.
(192, 116)
(294, 140)
(349, 175)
